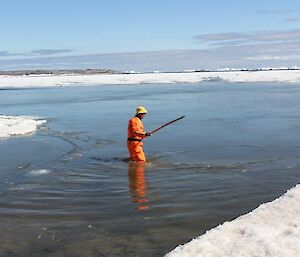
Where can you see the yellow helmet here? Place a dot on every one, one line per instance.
(141, 110)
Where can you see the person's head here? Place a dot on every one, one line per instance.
(141, 112)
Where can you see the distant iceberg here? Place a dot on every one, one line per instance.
(271, 230)
(18, 125)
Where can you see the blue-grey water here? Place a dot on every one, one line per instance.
(239, 146)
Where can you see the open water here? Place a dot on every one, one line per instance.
(69, 191)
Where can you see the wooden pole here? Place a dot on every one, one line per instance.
(169, 123)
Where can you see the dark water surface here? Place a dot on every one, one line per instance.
(67, 191)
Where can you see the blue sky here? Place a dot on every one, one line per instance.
(33, 29)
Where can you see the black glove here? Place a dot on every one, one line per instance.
(148, 134)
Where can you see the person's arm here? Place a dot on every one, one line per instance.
(137, 129)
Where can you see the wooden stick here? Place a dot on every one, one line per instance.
(169, 123)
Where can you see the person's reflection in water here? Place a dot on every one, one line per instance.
(138, 185)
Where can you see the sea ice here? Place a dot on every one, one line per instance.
(18, 125)
(271, 230)
(38, 81)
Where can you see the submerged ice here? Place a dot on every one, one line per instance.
(39, 172)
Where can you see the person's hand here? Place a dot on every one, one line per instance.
(148, 134)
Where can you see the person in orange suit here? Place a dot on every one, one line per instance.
(136, 134)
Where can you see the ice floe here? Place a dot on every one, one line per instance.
(271, 230)
(37, 81)
(18, 125)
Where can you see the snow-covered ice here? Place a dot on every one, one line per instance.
(18, 125)
(31, 81)
(271, 230)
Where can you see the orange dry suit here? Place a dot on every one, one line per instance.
(134, 142)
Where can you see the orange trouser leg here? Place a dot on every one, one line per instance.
(136, 151)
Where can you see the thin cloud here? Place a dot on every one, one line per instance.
(292, 20)
(292, 35)
(275, 12)
(229, 43)
(274, 57)
(39, 52)
(223, 39)
(219, 37)
(7, 54)
(50, 51)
